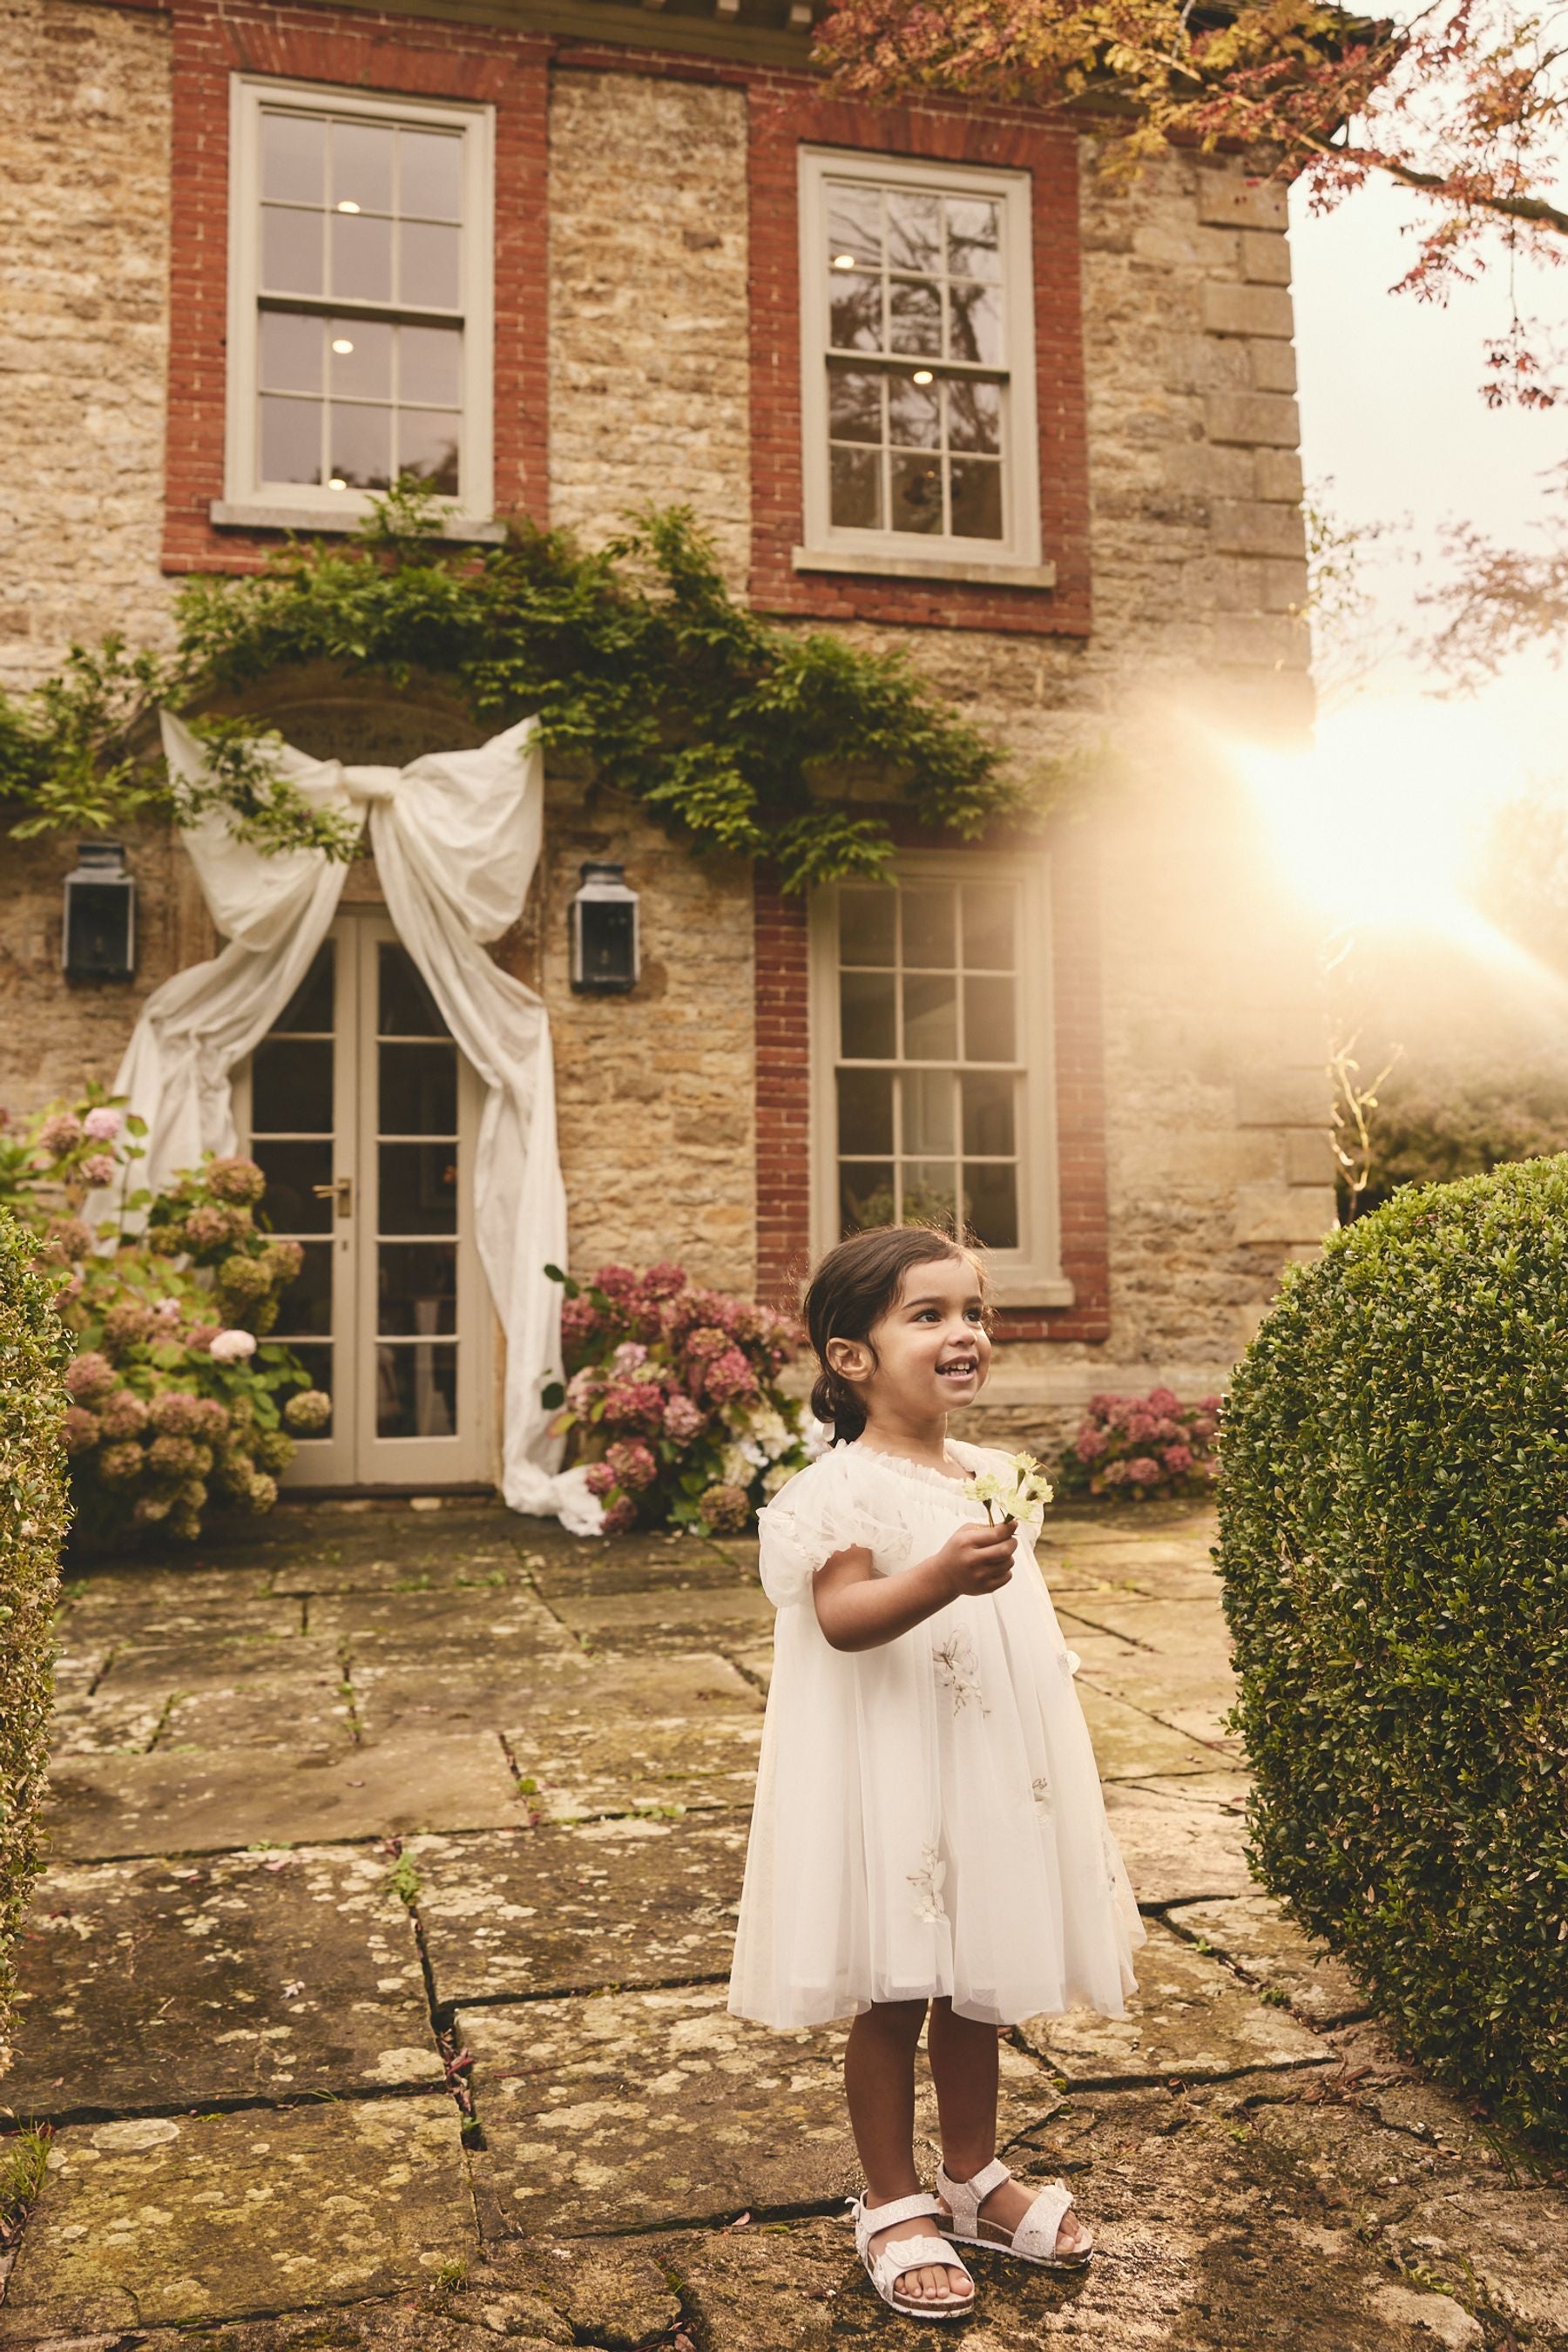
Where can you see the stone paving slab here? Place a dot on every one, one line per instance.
(1189, 2017)
(452, 1693)
(267, 1710)
(593, 1570)
(156, 2223)
(635, 2110)
(147, 1984)
(184, 1625)
(1193, 1629)
(677, 1731)
(1254, 1932)
(95, 1585)
(492, 1626)
(107, 1807)
(190, 1662)
(1176, 1840)
(1130, 1745)
(625, 1902)
(669, 1619)
(113, 1723)
(1192, 1695)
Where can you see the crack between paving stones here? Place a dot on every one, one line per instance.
(1191, 1737)
(167, 1709)
(1094, 1626)
(584, 1647)
(232, 2104)
(109, 1657)
(583, 1992)
(1238, 1969)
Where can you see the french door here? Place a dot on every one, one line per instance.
(363, 1114)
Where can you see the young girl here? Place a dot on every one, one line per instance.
(929, 1825)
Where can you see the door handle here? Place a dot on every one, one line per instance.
(341, 1190)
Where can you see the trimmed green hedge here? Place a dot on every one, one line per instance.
(1394, 1544)
(33, 1518)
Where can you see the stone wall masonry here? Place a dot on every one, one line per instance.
(648, 305)
(84, 235)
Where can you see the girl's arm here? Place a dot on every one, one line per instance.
(858, 1609)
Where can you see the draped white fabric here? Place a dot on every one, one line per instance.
(456, 837)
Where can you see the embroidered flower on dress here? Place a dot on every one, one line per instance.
(1045, 1800)
(1109, 1854)
(927, 1882)
(959, 1669)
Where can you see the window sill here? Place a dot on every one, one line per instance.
(1045, 1290)
(333, 522)
(924, 567)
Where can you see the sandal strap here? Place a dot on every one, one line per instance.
(870, 2219)
(965, 2198)
(1038, 2232)
(901, 2255)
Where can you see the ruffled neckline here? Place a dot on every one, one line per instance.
(920, 1470)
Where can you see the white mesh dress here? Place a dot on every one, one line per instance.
(928, 1818)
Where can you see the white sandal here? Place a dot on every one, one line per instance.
(1034, 2240)
(886, 2266)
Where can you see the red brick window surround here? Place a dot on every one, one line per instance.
(783, 120)
(365, 54)
(784, 1160)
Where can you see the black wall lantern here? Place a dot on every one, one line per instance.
(606, 955)
(98, 939)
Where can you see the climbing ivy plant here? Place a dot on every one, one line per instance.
(738, 734)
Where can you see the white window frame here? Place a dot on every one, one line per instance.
(1016, 558)
(1031, 1275)
(301, 506)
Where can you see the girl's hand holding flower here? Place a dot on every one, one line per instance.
(977, 1558)
(1023, 1498)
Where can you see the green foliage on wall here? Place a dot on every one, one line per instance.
(1393, 1501)
(738, 734)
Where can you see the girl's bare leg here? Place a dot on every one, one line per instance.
(964, 2066)
(880, 2085)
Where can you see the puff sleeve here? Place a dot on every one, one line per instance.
(807, 1521)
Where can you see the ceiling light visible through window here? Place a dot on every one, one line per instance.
(341, 343)
(844, 261)
(337, 483)
(348, 206)
(923, 375)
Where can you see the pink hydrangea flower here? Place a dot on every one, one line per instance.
(1178, 1460)
(98, 1168)
(90, 1375)
(60, 1132)
(69, 1238)
(729, 1378)
(122, 1413)
(664, 1281)
(620, 1518)
(231, 1347)
(1116, 1473)
(174, 1413)
(683, 1420)
(633, 1404)
(598, 1478)
(1091, 1443)
(232, 1178)
(1164, 1400)
(82, 1428)
(632, 1465)
(616, 1282)
(1140, 1427)
(103, 1124)
(628, 1356)
(1144, 1471)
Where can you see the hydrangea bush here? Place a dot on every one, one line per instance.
(673, 1400)
(175, 1407)
(1144, 1448)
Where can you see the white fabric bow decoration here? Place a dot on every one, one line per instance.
(456, 837)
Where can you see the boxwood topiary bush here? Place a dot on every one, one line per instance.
(1393, 1544)
(33, 1352)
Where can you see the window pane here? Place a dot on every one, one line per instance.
(988, 1021)
(430, 365)
(988, 1113)
(930, 1195)
(854, 222)
(293, 152)
(975, 316)
(292, 1170)
(857, 488)
(290, 440)
(865, 1111)
(427, 449)
(914, 413)
(291, 1087)
(988, 926)
(854, 405)
(417, 1287)
(431, 166)
(305, 1308)
(290, 251)
(417, 1390)
(930, 1017)
(928, 925)
(976, 498)
(974, 243)
(291, 351)
(427, 266)
(927, 1104)
(991, 1205)
(917, 493)
(868, 1030)
(866, 926)
(974, 417)
(407, 1008)
(914, 230)
(362, 370)
(419, 1089)
(856, 313)
(361, 165)
(362, 257)
(915, 316)
(360, 448)
(311, 1006)
(418, 1188)
(866, 1195)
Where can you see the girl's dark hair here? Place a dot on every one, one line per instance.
(850, 1292)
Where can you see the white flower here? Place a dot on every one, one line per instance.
(736, 1467)
(778, 1476)
(1022, 1497)
(628, 1356)
(927, 1882)
(768, 1431)
(816, 1436)
(230, 1346)
(167, 1310)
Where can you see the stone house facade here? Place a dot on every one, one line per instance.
(642, 257)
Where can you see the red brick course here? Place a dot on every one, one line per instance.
(786, 114)
(357, 50)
